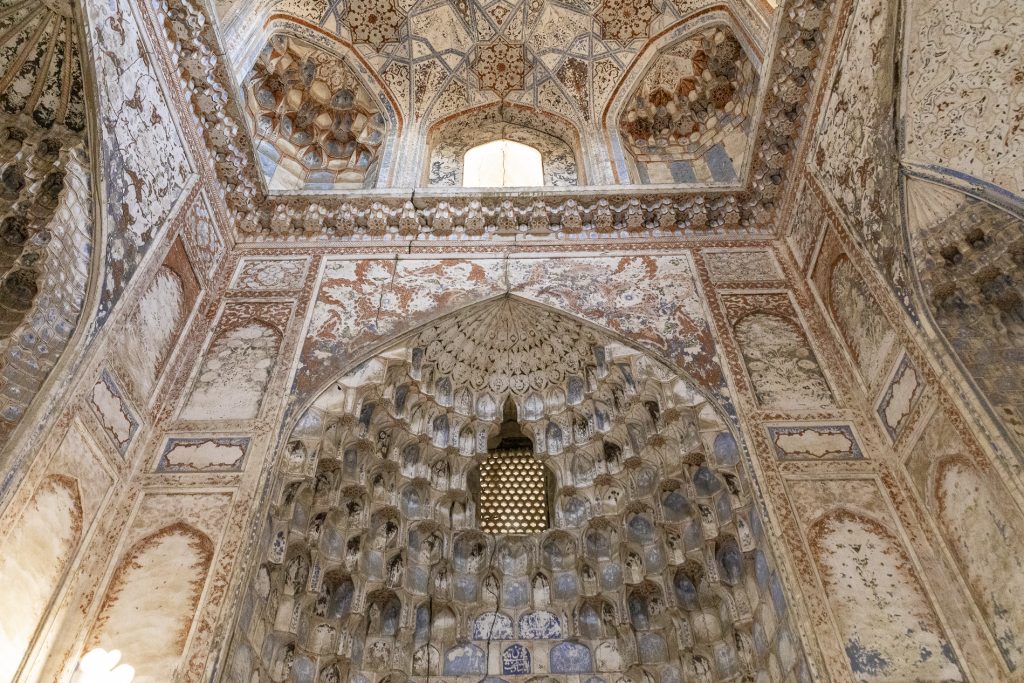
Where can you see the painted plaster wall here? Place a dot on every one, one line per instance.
(42, 536)
(36, 553)
(149, 606)
(238, 363)
(980, 523)
(682, 305)
(142, 154)
(881, 353)
(854, 144)
(962, 102)
(889, 626)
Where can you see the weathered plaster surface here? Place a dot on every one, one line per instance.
(142, 155)
(962, 98)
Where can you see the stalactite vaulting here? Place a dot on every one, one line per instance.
(376, 558)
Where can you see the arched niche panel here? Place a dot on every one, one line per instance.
(149, 605)
(238, 363)
(781, 365)
(555, 138)
(867, 334)
(888, 625)
(592, 595)
(979, 521)
(34, 556)
(684, 115)
(153, 327)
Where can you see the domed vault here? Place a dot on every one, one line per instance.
(375, 567)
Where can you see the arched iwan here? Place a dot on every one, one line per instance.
(379, 481)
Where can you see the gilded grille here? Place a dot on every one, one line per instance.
(513, 493)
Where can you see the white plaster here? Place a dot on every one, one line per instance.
(234, 374)
(902, 398)
(814, 442)
(111, 412)
(33, 558)
(150, 605)
(203, 455)
(151, 332)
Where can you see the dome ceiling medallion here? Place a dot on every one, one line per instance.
(534, 349)
(501, 67)
(374, 22)
(40, 66)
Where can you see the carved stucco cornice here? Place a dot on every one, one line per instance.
(623, 212)
(218, 114)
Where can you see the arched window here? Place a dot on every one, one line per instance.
(513, 493)
(503, 163)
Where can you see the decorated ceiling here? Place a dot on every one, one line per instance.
(675, 80)
(692, 131)
(440, 58)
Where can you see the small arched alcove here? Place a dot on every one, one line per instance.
(508, 129)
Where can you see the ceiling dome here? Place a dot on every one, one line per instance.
(40, 68)
(509, 347)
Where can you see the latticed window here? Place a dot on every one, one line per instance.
(513, 493)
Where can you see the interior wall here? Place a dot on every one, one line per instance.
(813, 430)
(863, 271)
(818, 434)
(960, 112)
(840, 446)
(926, 92)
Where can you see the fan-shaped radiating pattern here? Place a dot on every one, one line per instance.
(40, 67)
(534, 348)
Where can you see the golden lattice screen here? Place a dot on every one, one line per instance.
(513, 493)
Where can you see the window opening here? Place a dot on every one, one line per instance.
(502, 163)
(512, 488)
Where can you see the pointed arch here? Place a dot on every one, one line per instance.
(35, 554)
(150, 603)
(528, 585)
(48, 227)
(556, 138)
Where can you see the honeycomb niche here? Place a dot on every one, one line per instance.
(316, 126)
(688, 119)
(378, 564)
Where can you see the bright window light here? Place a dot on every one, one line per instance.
(100, 666)
(503, 163)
